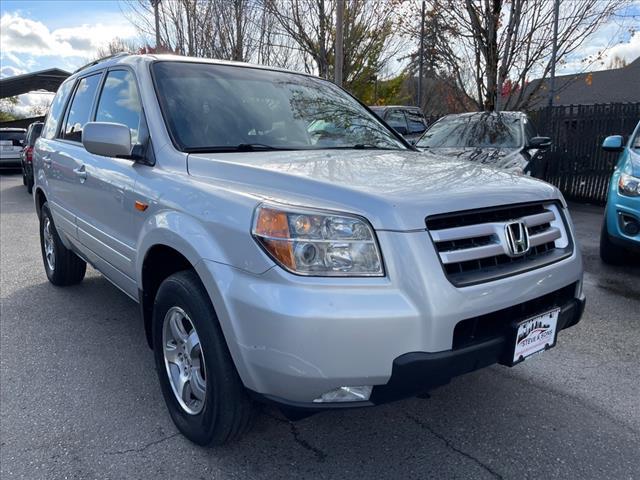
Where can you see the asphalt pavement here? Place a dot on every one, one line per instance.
(79, 396)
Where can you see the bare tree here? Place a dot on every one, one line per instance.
(369, 42)
(241, 30)
(493, 48)
(117, 45)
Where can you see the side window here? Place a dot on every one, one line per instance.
(529, 130)
(396, 119)
(56, 111)
(120, 103)
(80, 110)
(416, 122)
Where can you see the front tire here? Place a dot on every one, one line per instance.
(609, 252)
(201, 387)
(63, 267)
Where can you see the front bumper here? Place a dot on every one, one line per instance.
(618, 207)
(419, 372)
(294, 338)
(10, 162)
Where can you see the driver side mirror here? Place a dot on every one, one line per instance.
(107, 139)
(614, 143)
(540, 143)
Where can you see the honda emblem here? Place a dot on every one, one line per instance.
(517, 237)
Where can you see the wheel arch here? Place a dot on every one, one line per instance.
(39, 199)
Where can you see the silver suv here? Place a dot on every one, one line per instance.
(287, 247)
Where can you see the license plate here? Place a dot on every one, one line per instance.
(535, 334)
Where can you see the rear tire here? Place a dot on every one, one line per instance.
(29, 184)
(62, 266)
(217, 408)
(609, 252)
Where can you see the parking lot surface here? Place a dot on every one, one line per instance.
(80, 399)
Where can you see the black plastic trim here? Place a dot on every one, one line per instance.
(415, 373)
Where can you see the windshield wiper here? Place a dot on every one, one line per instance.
(241, 147)
(359, 146)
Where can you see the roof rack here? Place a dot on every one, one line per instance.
(95, 62)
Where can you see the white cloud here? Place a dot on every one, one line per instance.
(627, 51)
(9, 71)
(26, 36)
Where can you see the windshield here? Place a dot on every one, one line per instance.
(475, 131)
(14, 137)
(223, 107)
(636, 141)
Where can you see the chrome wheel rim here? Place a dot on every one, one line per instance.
(49, 252)
(184, 360)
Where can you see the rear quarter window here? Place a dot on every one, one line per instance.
(56, 110)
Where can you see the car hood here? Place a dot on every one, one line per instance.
(506, 158)
(395, 190)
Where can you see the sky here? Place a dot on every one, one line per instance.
(36, 35)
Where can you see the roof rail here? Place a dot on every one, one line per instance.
(95, 62)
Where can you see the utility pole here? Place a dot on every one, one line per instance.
(156, 13)
(421, 64)
(339, 53)
(554, 51)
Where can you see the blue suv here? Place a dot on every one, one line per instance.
(621, 226)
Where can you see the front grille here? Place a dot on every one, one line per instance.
(472, 244)
(498, 324)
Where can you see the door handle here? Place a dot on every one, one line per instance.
(81, 172)
(46, 160)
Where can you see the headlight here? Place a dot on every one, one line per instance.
(629, 185)
(316, 243)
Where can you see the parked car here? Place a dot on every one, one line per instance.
(273, 267)
(506, 140)
(407, 121)
(26, 156)
(11, 143)
(621, 225)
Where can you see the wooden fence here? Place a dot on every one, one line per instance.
(576, 163)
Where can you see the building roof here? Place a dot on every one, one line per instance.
(49, 80)
(618, 85)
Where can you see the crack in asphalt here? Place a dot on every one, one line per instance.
(450, 445)
(567, 396)
(143, 447)
(321, 456)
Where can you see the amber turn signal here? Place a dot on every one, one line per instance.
(271, 226)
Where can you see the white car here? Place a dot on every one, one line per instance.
(11, 144)
(505, 140)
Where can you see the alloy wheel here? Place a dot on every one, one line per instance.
(184, 360)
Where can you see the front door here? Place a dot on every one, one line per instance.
(106, 217)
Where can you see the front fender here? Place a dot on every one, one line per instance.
(196, 241)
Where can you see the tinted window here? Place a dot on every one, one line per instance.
(80, 109)
(210, 107)
(55, 111)
(120, 102)
(33, 134)
(478, 130)
(416, 122)
(529, 129)
(395, 119)
(14, 137)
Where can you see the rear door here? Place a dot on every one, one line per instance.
(106, 214)
(64, 162)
